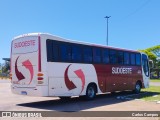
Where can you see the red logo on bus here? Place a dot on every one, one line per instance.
(80, 74)
(19, 75)
(69, 84)
(28, 65)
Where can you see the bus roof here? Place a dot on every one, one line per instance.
(50, 36)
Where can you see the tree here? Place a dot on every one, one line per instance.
(155, 50)
(151, 56)
(5, 68)
(0, 66)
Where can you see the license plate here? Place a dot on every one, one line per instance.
(23, 92)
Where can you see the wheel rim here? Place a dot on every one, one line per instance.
(91, 92)
(138, 87)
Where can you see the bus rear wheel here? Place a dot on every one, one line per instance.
(91, 92)
(137, 88)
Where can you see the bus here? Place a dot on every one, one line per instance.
(46, 65)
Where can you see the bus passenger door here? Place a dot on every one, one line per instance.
(145, 69)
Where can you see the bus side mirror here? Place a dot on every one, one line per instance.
(151, 64)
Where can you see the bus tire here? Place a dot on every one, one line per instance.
(137, 88)
(90, 92)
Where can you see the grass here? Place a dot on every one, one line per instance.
(152, 89)
(148, 94)
(155, 80)
(151, 94)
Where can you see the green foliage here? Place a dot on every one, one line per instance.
(155, 50)
(153, 53)
(154, 80)
(6, 67)
(155, 90)
(150, 54)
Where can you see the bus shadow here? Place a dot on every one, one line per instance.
(79, 104)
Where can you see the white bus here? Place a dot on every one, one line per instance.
(47, 65)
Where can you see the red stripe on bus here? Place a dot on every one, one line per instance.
(39, 54)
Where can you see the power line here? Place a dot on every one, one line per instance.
(138, 9)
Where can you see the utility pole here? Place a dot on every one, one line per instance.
(107, 17)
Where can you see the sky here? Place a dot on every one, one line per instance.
(134, 24)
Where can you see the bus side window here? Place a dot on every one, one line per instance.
(55, 53)
(76, 54)
(113, 57)
(138, 59)
(87, 55)
(133, 59)
(52, 51)
(120, 57)
(126, 58)
(96, 55)
(49, 47)
(65, 52)
(105, 56)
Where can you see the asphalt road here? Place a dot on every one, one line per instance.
(154, 84)
(107, 102)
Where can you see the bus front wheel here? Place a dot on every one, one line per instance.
(137, 88)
